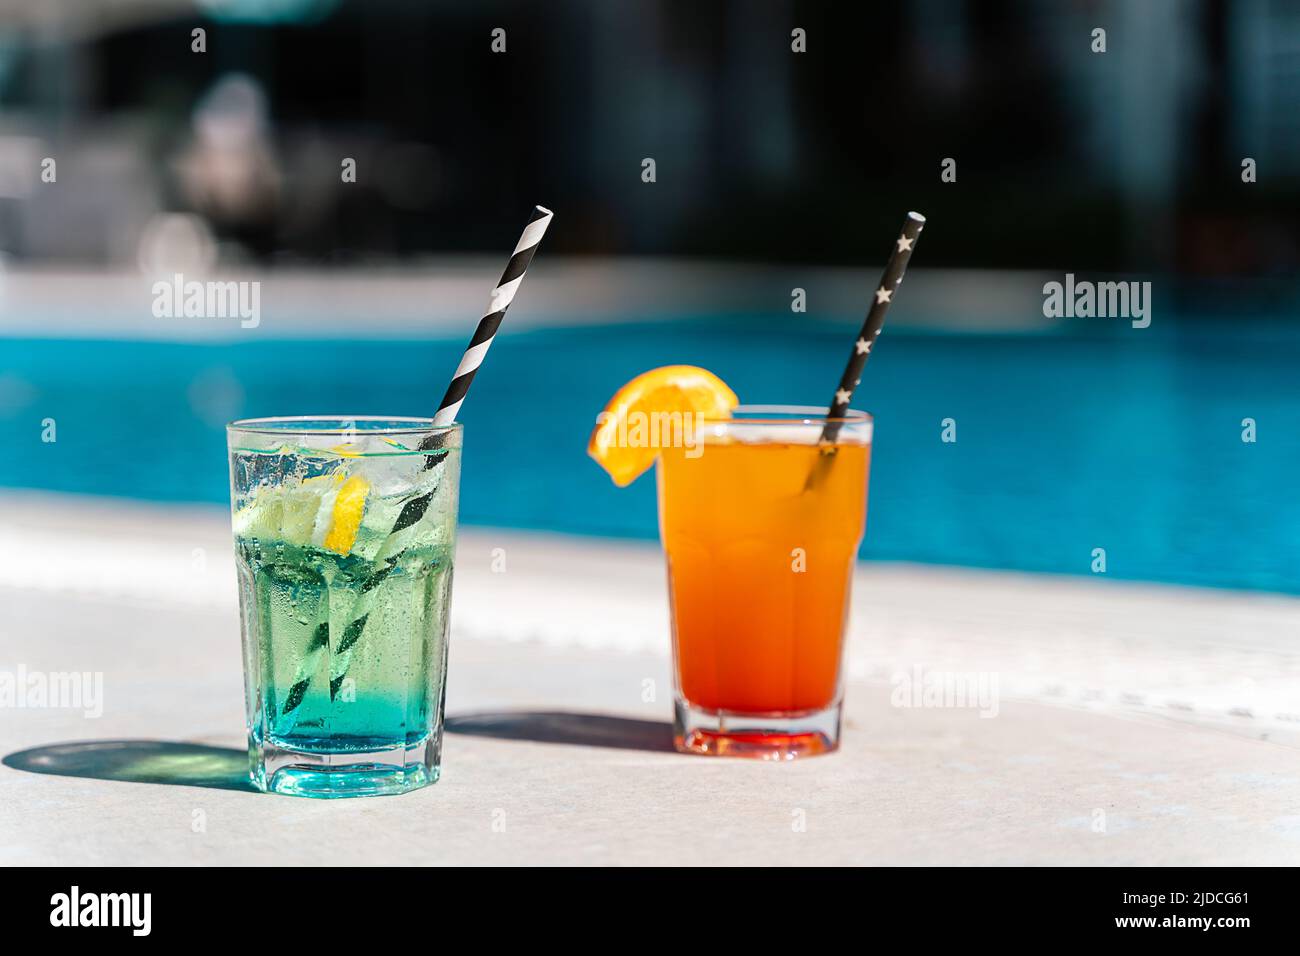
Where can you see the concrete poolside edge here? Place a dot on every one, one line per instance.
(1225, 658)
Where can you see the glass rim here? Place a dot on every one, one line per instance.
(337, 425)
(791, 415)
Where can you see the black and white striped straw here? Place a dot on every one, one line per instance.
(502, 296)
(390, 552)
(875, 320)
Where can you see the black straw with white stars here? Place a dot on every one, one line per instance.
(875, 320)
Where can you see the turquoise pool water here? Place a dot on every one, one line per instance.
(1097, 437)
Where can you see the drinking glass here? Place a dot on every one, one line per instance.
(344, 534)
(761, 517)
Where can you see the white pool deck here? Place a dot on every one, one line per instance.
(1132, 724)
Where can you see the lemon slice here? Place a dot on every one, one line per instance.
(349, 508)
(324, 511)
(683, 389)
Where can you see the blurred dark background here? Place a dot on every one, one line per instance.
(1065, 158)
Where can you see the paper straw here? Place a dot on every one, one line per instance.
(866, 340)
(391, 550)
(502, 296)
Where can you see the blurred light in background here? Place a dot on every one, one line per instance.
(176, 242)
(16, 393)
(20, 165)
(215, 396)
(267, 11)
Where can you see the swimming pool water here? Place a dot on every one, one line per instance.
(1098, 437)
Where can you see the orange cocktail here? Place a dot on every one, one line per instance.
(761, 523)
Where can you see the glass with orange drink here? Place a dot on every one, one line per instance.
(761, 517)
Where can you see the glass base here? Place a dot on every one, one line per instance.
(329, 776)
(776, 736)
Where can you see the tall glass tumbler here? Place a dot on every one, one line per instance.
(345, 530)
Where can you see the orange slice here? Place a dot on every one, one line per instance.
(632, 428)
